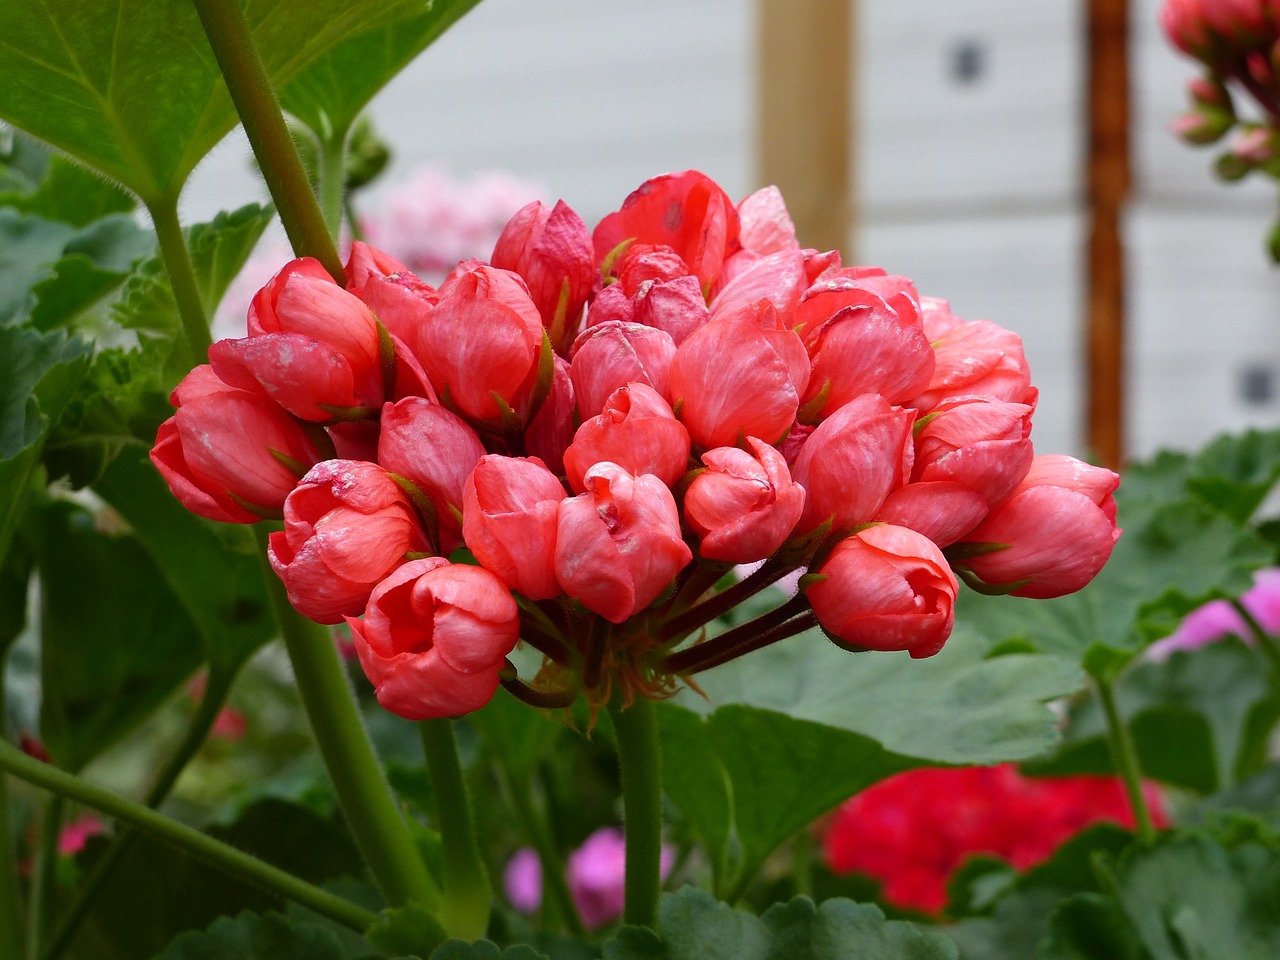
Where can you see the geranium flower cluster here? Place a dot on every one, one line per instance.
(914, 829)
(1238, 42)
(610, 420)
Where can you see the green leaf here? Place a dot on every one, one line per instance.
(249, 936)
(1199, 720)
(29, 245)
(696, 927)
(51, 186)
(139, 94)
(116, 641)
(484, 950)
(1087, 926)
(1189, 896)
(212, 569)
(38, 375)
(1259, 795)
(330, 92)
(410, 930)
(1234, 472)
(519, 735)
(695, 779)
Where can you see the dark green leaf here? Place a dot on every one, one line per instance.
(484, 950)
(116, 641)
(519, 735)
(1088, 926)
(1259, 794)
(248, 936)
(409, 930)
(696, 927)
(139, 94)
(330, 92)
(295, 839)
(695, 779)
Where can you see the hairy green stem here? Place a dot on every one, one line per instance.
(251, 91)
(361, 787)
(535, 829)
(640, 760)
(182, 277)
(1125, 757)
(215, 852)
(467, 898)
(215, 696)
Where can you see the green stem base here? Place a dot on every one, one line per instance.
(640, 760)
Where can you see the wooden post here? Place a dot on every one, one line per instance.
(1108, 178)
(804, 115)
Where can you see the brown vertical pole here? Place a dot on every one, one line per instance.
(1108, 187)
(805, 115)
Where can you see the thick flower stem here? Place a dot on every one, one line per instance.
(215, 852)
(1125, 757)
(358, 781)
(467, 897)
(724, 601)
(215, 696)
(250, 88)
(182, 278)
(640, 760)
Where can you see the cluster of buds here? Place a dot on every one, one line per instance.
(609, 423)
(1238, 42)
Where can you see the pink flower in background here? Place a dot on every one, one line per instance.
(595, 874)
(1219, 618)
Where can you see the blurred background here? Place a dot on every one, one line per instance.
(947, 142)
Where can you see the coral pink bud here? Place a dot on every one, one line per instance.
(480, 344)
(743, 505)
(766, 225)
(435, 450)
(942, 510)
(618, 545)
(346, 526)
(303, 299)
(611, 355)
(687, 212)
(392, 291)
(307, 377)
(778, 278)
(230, 454)
(1052, 536)
(867, 345)
(981, 443)
(434, 637)
(676, 306)
(976, 359)
(636, 430)
(852, 462)
(741, 375)
(886, 588)
(551, 249)
(611, 303)
(551, 429)
(509, 513)
(642, 263)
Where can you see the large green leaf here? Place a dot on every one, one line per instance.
(249, 936)
(138, 92)
(49, 185)
(696, 927)
(330, 92)
(1199, 720)
(115, 640)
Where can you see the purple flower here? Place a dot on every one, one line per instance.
(1219, 618)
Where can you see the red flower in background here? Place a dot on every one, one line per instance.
(914, 829)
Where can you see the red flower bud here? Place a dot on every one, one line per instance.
(509, 515)
(637, 431)
(613, 354)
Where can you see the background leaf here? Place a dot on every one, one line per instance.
(253, 937)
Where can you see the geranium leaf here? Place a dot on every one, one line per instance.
(269, 936)
(139, 95)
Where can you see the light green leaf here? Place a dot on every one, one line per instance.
(51, 186)
(138, 92)
(696, 927)
(330, 92)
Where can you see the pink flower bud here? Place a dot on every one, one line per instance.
(865, 345)
(436, 450)
(1053, 535)
(618, 545)
(766, 225)
(392, 291)
(481, 343)
(510, 508)
(977, 358)
(637, 431)
(852, 462)
(676, 306)
(942, 510)
(886, 588)
(307, 377)
(741, 375)
(346, 526)
(551, 249)
(685, 211)
(981, 443)
(642, 263)
(611, 355)
(596, 875)
(778, 278)
(743, 506)
(551, 429)
(434, 638)
(303, 299)
(230, 454)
